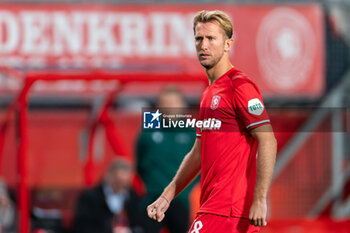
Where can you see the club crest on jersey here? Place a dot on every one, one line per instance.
(255, 107)
(215, 102)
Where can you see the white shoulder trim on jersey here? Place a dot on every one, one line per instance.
(258, 123)
(198, 135)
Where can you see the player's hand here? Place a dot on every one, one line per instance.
(157, 209)
(258, 212)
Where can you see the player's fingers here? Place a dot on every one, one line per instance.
(160, 217)
(256, 222)
(150, 214)
(159, 212)
(151, 211)
(253, 221)
(250, 216)
(148, 209)
(151, 206)
(259, 222)
(262, 222)
(154, 214)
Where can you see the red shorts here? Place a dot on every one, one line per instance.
(210, 223)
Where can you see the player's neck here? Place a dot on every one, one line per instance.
(218, 70)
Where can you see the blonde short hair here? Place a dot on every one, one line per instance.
(219, 16)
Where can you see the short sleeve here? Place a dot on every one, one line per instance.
(249, 105)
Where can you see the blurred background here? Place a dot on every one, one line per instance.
(75, 75)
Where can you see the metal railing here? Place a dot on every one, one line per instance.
(332, 105)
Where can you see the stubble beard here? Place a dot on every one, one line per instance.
(208, 67)
(210, 64)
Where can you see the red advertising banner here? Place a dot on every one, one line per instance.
(281, 47)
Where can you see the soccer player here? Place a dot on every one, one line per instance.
(237, 161)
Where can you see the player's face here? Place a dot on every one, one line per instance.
(210, 43)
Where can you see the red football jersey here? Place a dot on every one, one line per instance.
(228, 154)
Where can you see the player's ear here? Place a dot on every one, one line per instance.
(228, 44)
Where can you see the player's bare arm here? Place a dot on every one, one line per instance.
(265, 164)
(187, 172)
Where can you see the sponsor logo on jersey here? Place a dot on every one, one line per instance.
(215, 102)
(255, 107)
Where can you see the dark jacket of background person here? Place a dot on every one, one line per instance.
(111, 204)
(94, 216)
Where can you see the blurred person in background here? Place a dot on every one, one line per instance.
(236, 162)
(7, 210)
(159, 153)
(111, 206)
